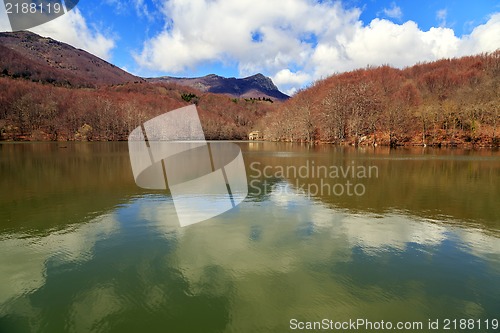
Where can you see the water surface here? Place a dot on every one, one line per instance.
(83, 249)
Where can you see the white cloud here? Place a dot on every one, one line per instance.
(142, 10)
(383, 42)
(393, 12)
(441, 17)
(300, 40)
(203, 31)
(285, 77)
(71, 28)
(484, 38)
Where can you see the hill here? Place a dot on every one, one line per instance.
(447, 102)
(30, 56)
(33, 111)
(255, 86)
(53, 91)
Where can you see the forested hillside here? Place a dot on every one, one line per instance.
(447, 102)
(50, 90)
(26, 55)
(36, 111)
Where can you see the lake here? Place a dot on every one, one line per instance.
(326, 234)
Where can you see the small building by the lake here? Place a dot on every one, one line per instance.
(255, 135)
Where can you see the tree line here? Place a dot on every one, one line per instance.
(36, 111)
(447, 102)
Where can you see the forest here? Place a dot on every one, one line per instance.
(33, 111)
(449, 102)
(444, 103)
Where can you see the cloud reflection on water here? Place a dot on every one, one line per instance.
(271, 260)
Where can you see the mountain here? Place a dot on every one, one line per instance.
(52, 91)
(254, 86)
(30, 56)
(27, 55)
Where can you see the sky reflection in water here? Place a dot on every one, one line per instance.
(273, 258)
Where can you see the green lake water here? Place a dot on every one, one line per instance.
(417, 238)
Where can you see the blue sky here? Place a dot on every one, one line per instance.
(293, 41)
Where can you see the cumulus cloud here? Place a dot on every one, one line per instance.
(70, 28)
(293, 41)
(203, 31)
(383, 42)
(298, 40)
(287, 77)
(484, 38)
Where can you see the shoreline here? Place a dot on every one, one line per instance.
(443, 145)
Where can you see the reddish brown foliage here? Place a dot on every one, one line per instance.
(451, 101)
(34, 111)
(26, 55)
